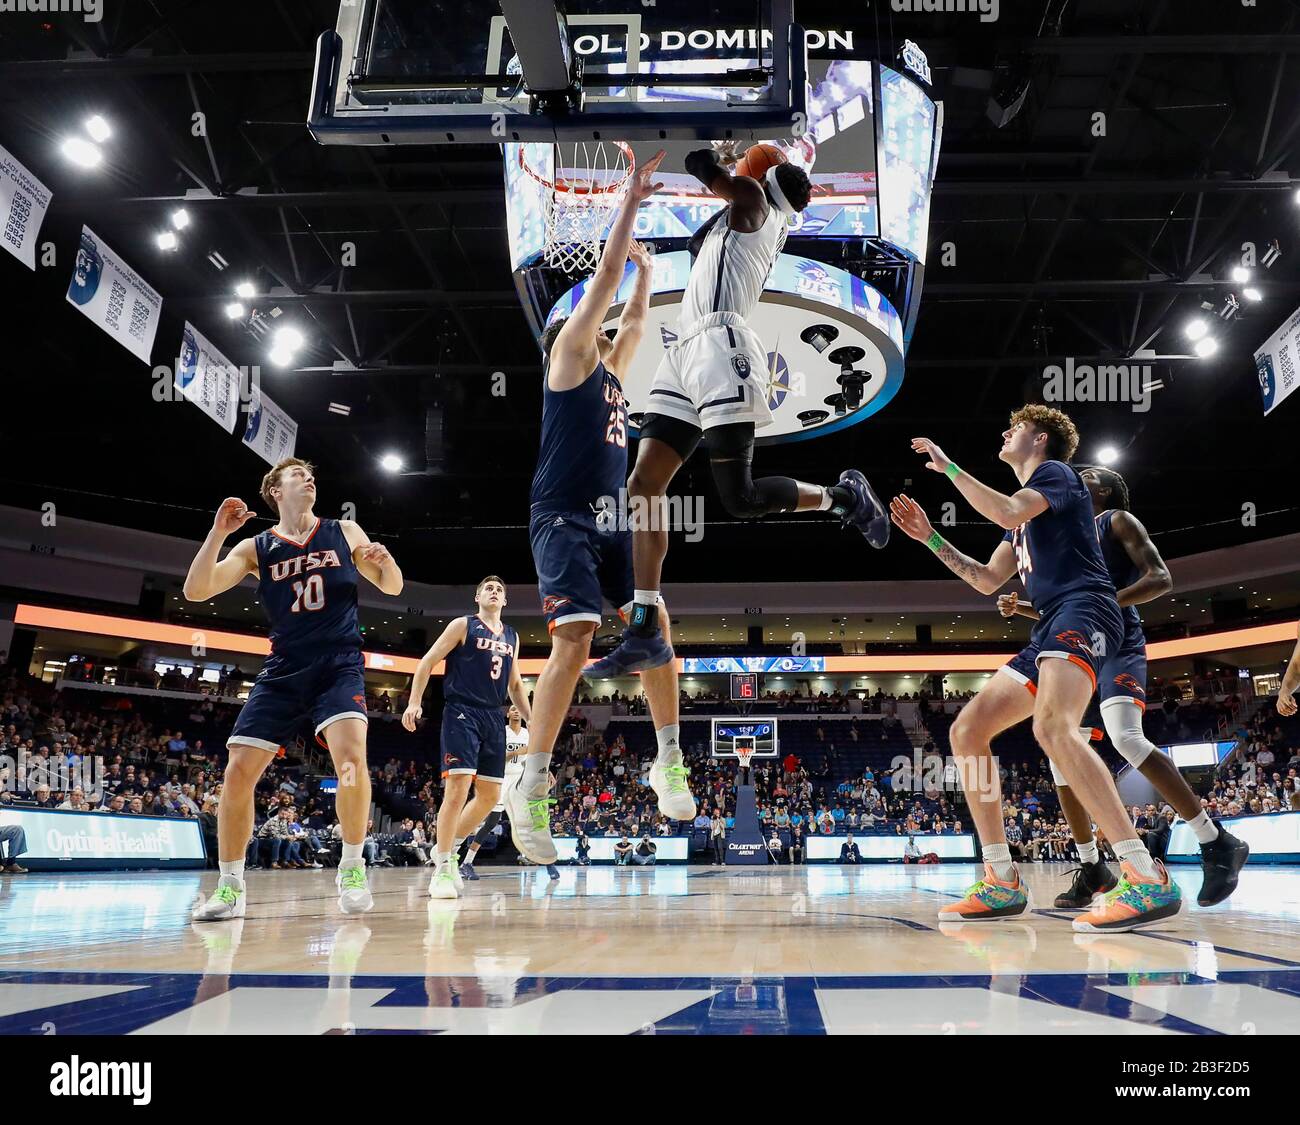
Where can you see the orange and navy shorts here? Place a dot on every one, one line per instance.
(1085, 629)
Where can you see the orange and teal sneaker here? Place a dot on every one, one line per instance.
(1133, 903)
(989, 900)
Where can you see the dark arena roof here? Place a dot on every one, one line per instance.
(1062, 236)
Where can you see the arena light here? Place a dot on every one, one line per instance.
(1252, 294)
(1206, 347)
(167, 240)
(245, 289)
(98, 129)
(1107, 455)
(235, 310)
(1240, 274)
(1195, 328)
(82, 153)
(180, 218)
(287, 339)
(391, 463)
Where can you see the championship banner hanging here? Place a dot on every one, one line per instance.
(23, 203)
(208, 379)
(269, 431)
(1275, 362)
(114, 296)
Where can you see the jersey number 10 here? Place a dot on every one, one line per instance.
(309, 595)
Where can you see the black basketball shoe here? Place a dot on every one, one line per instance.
(1090, 880)
(1221, 861)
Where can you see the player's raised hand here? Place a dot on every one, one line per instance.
(1286, 704)
(231, 516)
(938, 460)
(640, 256)
(910, 518)
(412, 716)
(728, 151)
(376, 553)
(644, 184)
(1007, 604)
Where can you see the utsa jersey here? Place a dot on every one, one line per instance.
(731, 267)
(583, 454)
(1123, 570)
(309, 592)
(1058, 553)
(478, 670)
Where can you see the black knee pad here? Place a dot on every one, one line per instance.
(736, 489)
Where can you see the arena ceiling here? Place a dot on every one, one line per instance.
(1067, 246)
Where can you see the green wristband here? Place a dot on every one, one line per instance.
(951, 471)
(935, 542)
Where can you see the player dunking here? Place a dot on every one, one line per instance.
(1139, 575)
(516, 742)
(1051, 540)
(582, 466)
(482, 671)
(711, 384)
(307, 570)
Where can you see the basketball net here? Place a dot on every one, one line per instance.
(580, 199)
(744, 756)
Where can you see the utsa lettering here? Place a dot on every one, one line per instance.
(477, 686)
(309, 590)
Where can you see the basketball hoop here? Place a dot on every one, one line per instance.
(743, 755)
(580, 198)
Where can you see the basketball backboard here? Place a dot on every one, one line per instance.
(446, 72)
(759, 736)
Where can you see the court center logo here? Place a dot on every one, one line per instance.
(1107, 382)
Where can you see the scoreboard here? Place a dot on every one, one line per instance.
(744, 687)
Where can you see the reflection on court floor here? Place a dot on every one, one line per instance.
(682, 951)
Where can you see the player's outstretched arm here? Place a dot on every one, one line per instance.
(1286, 704)
(207, 577)
(452, 636)
(910, 518)
(374, 562)
(749, 205)
(631, 324)
(1005, 511)
(573, 355)
(1010, 605)
(1155, 580)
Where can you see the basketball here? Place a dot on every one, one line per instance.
(758, 159)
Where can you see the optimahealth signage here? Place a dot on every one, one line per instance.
(114, 296)
(71, 841)
(23, 203)
(1275, 362)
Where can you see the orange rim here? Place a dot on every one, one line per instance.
(569, 189)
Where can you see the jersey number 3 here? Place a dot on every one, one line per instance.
(309, 595)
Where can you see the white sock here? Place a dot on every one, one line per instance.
(1206, 830)
(645, 597)
(444, 857)
(1134, 853)
(826, 502)
(456, 843)
(234, 868)
(469, 855)
(998, 857)
(670, 750)
(536, 768)
(351, 855)
(1087, 852)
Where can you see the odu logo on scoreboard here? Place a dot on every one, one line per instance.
(703, 665)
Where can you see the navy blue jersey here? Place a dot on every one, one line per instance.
(309, 591)
(1123, 570)
(1058, 553)
(478, 670)
(583, 454)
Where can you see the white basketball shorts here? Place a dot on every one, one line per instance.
(716, 374)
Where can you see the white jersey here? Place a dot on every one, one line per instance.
(515, 740)
(732, 268)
